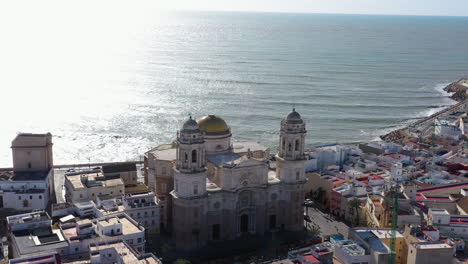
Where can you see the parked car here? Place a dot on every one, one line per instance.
(308, 203)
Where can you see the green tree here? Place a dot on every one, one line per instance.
(356, 204)
(181, 261)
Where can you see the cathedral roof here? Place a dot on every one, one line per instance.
(212, 124)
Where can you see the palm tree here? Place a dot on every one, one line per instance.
(355, 203)
(314, 231)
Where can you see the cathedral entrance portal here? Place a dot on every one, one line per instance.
(244, 223)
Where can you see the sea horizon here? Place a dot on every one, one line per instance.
(111, 90)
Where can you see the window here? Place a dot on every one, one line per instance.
(195, 189)
(19, 197)
(194, 156)
(29, 165)
(130, 241)
(152, 212)
(296, 147)
(272, 221)
(139, 240)
(216, 231)
(118, 230)
(146, 213)
(40, 197)
(112, 192)
(81, 195)
(110, 255)
(297, 175)
(131, 215)
(163, 187)
(186, 157)
(76, 249)
(289, 146)
(138, 214)
(30, 197)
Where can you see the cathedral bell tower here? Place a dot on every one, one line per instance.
(190, 170)
(290, 167)
(291, 158)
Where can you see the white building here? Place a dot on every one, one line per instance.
(445, 128)
(118, 252)
(33, 233)
(88, 185)
(348, 252)
(84, 232)
(144, 208)
(396, 173)
(40, 258)
(29, 186)
(455, 226)
(323, 156)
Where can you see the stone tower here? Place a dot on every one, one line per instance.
(189, 192)
(33, 153)
(290, 166)
(291, 158)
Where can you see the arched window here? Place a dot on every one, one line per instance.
(289, 146)
(194, 156)
(283, 143)
(186, 157)
(297, 145)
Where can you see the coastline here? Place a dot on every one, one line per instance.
(459, 89)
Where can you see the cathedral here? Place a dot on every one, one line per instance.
(214, 189)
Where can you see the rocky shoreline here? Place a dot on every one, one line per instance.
(458, 89)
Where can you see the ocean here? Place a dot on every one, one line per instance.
(111, 85)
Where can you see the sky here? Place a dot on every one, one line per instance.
(389, 7)
(394, 7)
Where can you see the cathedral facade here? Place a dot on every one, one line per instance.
(219, 190)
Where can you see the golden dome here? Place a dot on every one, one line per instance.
(212, 124)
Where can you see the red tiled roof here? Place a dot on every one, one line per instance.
(376, 177)
(311, 259)
(443, 187)
(438, 198)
